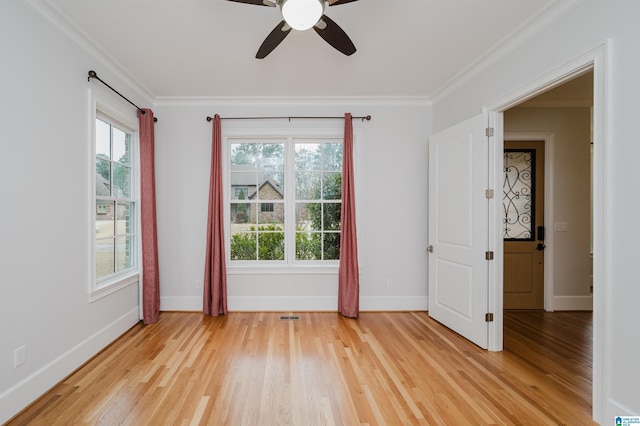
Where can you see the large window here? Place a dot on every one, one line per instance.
(115, 203)
(285, 200)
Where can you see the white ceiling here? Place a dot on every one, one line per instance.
(206, 48)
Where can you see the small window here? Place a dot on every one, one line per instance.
(266, 207)
(241, 193)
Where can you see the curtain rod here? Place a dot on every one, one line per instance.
(368, 118)
(93, 74)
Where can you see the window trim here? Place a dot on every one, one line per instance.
(291, 266)
(100, 107)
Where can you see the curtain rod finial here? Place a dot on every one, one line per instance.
(92, 74)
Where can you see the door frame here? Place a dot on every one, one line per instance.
(548, 140)
(596, 60)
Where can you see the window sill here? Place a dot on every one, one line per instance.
(331, 269)
(112, 285)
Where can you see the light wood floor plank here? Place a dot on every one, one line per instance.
(323, 369)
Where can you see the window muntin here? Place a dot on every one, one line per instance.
(291, 209)
(115, 206)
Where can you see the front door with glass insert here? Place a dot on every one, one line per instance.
(523, 224)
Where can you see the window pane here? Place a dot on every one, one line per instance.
(243, 184)
(121, 146)
(103, 178)
(331, 246)
(241, 213)
(240, 193)
(270, 243)
(309, 216)
(269, 190)
(124, 220)
(308, 156)
(244, 153)
(121, 181)
(277, 179)
(331, 156)
(303, 217)
(271, 156)
(243, 246)
(308, 185)
(270, 214)
(104, 257)
(331, 216)
(308, 246)
(105, 224)
(332, 186)
(124, 253)
(103, 140)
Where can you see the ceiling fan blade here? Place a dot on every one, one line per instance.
(274, 38)
(268, 3)
(339, 2)
(334, 35)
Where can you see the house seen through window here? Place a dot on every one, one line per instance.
(285, 200)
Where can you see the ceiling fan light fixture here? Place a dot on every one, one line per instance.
(302, 14)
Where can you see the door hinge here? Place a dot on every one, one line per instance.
(489, 132)
(488, 193)
(488, 317)
(488, 255)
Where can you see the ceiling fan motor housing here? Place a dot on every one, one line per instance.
(302, 14)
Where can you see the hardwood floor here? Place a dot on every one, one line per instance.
(382, 369)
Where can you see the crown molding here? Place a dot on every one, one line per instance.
(521, 34)
(410, 101)
(61, 22)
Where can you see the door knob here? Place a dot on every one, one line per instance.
(540, 247)
(430, 249)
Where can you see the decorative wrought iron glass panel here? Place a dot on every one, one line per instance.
(519, 194)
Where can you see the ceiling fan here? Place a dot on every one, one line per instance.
(302, 15)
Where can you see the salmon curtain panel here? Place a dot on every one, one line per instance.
(215, 273)
(348, 273)
(149, 231)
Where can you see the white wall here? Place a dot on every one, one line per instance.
(570, 128)
(45, 213)
(591, 24)
(391, 174)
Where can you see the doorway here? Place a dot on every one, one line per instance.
(559, 236)
(524, 227)
(555, 247)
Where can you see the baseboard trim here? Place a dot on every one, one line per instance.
(394, 303)
(615, 409)
(19, 396)
(297, 303)
(573, 303)
(191, 303)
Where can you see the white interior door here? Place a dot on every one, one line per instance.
(458, 229)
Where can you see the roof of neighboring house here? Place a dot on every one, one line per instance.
(102, 186)
(271, 182)
(246, 175)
